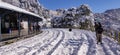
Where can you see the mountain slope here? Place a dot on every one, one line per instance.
(110, 19)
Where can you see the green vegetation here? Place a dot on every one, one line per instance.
(119, 37)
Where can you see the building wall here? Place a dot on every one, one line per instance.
(24, 24)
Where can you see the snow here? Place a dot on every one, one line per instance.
(62, 42)
(73, 16)
(14, 8)
(100, 50)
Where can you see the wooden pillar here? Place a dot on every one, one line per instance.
(0, 28)
(34, 25)
(19, 23)
(28, 25)
(38, 28)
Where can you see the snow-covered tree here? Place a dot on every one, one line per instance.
(79, 17)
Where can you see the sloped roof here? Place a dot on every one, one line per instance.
(17, 9)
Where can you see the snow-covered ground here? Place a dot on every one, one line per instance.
(62, 42)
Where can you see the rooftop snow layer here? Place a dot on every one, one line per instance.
(17, 9)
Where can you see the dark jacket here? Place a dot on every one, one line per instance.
(98, 28)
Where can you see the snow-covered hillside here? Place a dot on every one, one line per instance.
(110, 18)
(62, 42)
(78, 17)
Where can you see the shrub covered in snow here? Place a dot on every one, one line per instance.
(79, 17)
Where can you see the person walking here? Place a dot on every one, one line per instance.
(99, 31)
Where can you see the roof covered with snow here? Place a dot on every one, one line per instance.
(17, 9)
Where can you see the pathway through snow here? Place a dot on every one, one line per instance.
(62, 42)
